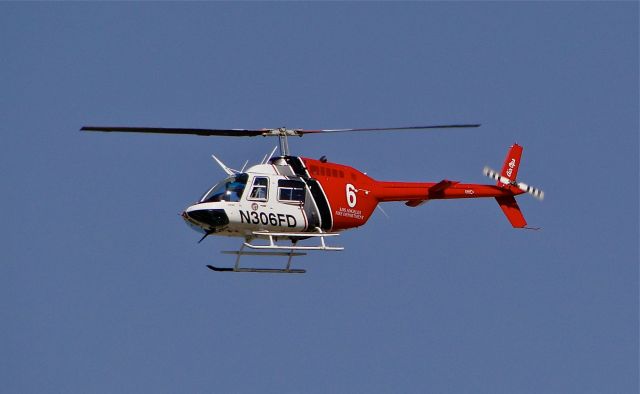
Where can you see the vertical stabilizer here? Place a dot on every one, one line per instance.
(511, 164)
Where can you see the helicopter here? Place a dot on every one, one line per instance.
(287, 199)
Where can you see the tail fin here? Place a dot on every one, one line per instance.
(510, 172)
(508, 176)
(511, 164)
(512, 211)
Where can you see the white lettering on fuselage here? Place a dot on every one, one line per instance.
(350, 213)
(351, 195)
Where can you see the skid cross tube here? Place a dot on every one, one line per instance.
(239, 253)
(273, 246)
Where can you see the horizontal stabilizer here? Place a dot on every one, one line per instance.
(434, 191)
(414, 203)
(440, 186)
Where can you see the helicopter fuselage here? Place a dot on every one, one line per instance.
(286, 195)
(295, 195)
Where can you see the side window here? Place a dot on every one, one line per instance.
(260, 189)
(290, 190)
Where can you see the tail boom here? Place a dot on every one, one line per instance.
(504, 191)
(416, 191)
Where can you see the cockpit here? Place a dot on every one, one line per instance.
(229, 189)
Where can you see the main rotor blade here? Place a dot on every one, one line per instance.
(445, 126)
(167, 130)
(255, 132)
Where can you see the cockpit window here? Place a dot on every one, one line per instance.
(228, 190)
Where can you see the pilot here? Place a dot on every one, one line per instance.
(234, 189)
(260, 193)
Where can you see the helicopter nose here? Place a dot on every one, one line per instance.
(207, 217)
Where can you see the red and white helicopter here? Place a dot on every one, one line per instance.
(290, 198)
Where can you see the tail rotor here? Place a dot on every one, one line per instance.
(535, 192)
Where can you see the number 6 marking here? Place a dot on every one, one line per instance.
(351, 195)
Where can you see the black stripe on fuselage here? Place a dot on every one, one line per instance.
(326, 220)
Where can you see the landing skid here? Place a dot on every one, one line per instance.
(239, 253)
(275, 250)
(258, 270)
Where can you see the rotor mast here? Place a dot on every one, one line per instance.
(283, 133)
(284, 144)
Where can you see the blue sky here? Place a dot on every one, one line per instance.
(104, 289)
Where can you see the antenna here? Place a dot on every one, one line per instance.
(221, 164)
(268, 156)
(382, 210)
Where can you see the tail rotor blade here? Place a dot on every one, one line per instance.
(535, 192)
(495, 175)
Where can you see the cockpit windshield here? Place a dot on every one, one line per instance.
(229, 189)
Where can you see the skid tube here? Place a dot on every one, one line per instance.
(258, 270)
(241, 252)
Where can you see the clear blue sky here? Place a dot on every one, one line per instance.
(103, 288)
